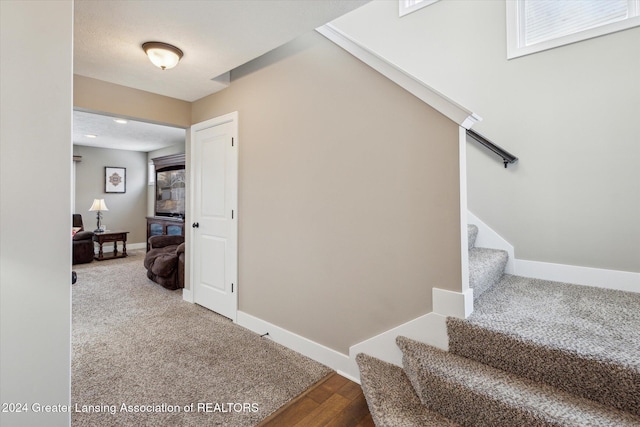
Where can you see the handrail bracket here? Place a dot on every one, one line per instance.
(507, 157)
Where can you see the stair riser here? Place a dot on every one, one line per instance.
(463, 405)
(471, 409)
(486, 268)
(473, 394)
(391, 399)
(472, 234)
(612, 385)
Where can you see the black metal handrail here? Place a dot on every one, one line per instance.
(506, 156)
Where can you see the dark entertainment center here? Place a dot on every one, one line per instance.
(170, 191)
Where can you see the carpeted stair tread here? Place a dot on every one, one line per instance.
(391, 399)
(474, 394)
(582, 340)
(486, 267)
(472, 233)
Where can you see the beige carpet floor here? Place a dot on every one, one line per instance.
(144, 357)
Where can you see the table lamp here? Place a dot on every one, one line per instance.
(98, 205)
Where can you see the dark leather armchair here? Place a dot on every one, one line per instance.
(165, 261)
(82, 242)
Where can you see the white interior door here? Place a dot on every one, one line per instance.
(214, 267)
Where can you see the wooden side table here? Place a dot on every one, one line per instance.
(111, 236)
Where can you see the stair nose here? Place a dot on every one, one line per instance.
(472, 233)
(391, 398)
(471, 393)
(486, 267)
(579, 339)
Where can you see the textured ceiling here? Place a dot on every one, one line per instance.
(216, 36)
(133, 135)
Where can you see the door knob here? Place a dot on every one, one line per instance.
(195, 225)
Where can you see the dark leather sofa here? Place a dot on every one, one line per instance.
(165, 261)
(82, 242)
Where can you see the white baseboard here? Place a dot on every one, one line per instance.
(350, 377)
(141, 245)
(335, 360)
(587, 276)
(187, 295)
(430, 328)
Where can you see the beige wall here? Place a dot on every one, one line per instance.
(348, 199)
(127, 210)
(35, 208)
(570, 114)
(104, 97)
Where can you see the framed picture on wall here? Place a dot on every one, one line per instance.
(115, 180)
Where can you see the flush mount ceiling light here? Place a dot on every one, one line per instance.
(162, 55)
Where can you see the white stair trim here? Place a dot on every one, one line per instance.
(464, 234)
(430, 328)
(587, 276)
(451, 109)
(577, 275)
(455, 304)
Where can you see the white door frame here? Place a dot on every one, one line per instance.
(188, 294)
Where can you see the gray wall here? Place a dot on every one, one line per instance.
(127, 210)
(570, 114)
(349, 194)
(100, 96)
(35, 207)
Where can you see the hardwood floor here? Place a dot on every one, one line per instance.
(334, 401)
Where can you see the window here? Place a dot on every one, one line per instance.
(536, 25)
(408, 6)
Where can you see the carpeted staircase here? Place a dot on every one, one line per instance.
(533, 353)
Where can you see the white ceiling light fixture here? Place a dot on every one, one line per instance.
(162, 55)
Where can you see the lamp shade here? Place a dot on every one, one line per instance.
(162, 55)
(98, 205)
